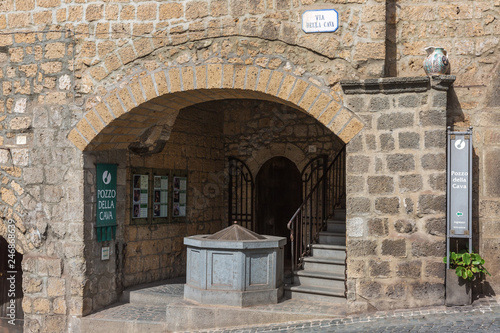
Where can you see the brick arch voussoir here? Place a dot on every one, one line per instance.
(158, 96)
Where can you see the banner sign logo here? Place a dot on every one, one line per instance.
(106, 177)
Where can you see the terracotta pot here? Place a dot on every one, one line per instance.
(458, 290)
(436, 62)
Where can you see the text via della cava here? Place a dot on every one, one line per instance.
(326, 20)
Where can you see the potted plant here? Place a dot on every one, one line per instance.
(464, 268)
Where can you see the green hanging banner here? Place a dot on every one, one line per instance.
(106, 202)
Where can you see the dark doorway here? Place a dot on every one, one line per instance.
(11, 290)
(278, 185)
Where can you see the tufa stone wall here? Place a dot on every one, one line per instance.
(396, 193)
(157, 252)
(470, 32)
(256, 131)
(196, 80)
(145, 253)
(41, 173)
(103, 279)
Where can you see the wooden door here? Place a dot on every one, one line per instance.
(278, 185)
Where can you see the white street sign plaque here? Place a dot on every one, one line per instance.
(323, 20)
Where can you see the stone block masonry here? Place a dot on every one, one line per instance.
(128, 53)
(394, 213)
(256, 131)
(143, 253)
(41, 185)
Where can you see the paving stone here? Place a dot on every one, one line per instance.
(482, 316)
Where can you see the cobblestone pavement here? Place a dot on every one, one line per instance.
(132, 312)
(483, 316)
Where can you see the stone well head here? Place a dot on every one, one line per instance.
(235, 267)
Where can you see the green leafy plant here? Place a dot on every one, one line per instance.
(467, 265)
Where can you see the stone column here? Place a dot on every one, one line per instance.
(396, 192)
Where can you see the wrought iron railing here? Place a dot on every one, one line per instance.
(320, 203)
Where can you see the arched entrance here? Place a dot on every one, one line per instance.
(167, 125)
(278, 186)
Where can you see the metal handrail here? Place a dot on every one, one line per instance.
(309, 220)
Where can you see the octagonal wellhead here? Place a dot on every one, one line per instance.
(235, 267)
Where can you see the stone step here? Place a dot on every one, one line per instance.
(151, 297)
(334, 266)
(332, 238)
(186, 316)
(155, 293)
(329, 251)
(340, 214)
(318, 294)
(126, 318)
(324, 279)
(336, 226)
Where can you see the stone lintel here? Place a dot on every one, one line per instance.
(397, 85)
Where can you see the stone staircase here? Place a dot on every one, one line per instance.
(323, 276)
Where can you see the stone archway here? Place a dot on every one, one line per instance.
(142, 112)
(155, 98)
(288, 150)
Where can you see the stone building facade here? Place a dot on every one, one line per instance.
(182, 85)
